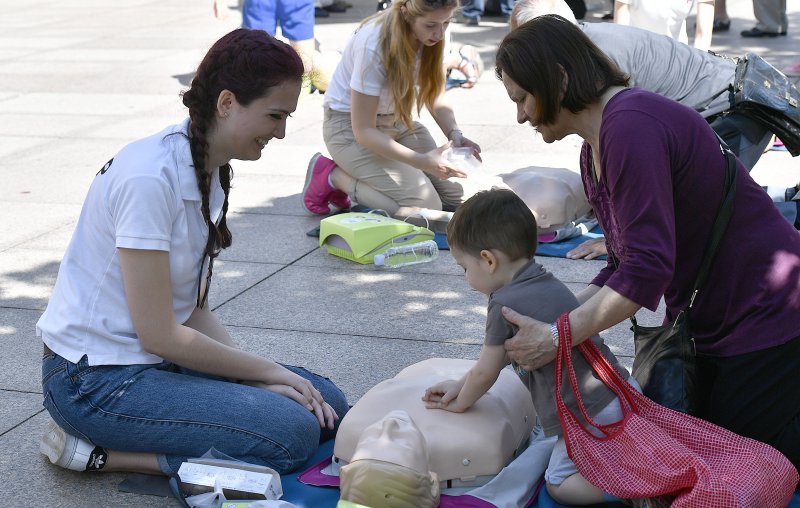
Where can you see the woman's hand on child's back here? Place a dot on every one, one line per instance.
(532, 346)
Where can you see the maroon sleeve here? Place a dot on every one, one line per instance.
(635, 150)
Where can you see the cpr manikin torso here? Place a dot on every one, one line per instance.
(554, 195)
(469, 447)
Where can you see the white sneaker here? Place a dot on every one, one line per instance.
(66, 450)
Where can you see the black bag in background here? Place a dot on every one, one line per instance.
(766, 95)
(664, 365)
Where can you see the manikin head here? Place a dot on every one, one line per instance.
(390, 467)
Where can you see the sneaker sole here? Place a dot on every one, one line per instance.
(309, 174)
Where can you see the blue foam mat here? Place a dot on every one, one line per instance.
(560, 249)
(553, 249)
(307, 496)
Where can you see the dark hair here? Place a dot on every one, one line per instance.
(535, 54)
(494, 219)
(248, 63)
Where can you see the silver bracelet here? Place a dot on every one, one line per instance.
(554, 333)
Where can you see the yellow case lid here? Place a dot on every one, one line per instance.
(364, 232)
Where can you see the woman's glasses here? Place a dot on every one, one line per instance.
(203, 286)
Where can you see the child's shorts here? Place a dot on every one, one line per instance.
(561, 466)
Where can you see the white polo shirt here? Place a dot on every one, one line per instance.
(145, 198)
(361, 69)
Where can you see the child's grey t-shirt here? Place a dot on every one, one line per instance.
(537, 293)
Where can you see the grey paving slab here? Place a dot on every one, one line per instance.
(281, 159)
(20, 351)
(38, 43)
(269, 194)
(54, 240)
(104, 104)
(12, 144)
(80, 79)
(56, 170)
(131, 54)
(36, 482)
(24, 125)
(27, 277)
(76, 164)
(130, 128)
(16, 407)
(355, 363)
(572, 270)
(231, 278)
(286, 233)
(363, 302)
(30, 219)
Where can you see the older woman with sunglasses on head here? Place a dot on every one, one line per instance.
(382, 158)
(138, 374)
(654, 173)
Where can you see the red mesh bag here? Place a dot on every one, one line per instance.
(654, 451)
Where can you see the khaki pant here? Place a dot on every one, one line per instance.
(400, 184)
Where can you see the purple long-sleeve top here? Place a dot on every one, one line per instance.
(657, 197)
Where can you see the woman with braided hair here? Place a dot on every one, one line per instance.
(382, 158)
(138, 374)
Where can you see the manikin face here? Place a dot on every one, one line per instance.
(394, 439)
(478, 271)
(526, 111)
(430, 28)
(246, 130)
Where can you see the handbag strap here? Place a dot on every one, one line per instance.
(720, 224)
(599, 364)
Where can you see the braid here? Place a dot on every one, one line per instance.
(225, 235)
(219, 236)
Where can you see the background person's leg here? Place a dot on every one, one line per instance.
(261, 15)
(296, 18)
(471, 11)
(771, 15)
(746, 137)
(374, 181)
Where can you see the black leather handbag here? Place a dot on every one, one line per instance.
(664, 365)
(766, 95)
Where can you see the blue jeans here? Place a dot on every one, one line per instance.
(177, 413)
(475, 8)
(746, 138)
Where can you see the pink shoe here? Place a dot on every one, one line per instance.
(792, 70)
(317, 191)
(340, 200)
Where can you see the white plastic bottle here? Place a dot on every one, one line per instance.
(404, 255)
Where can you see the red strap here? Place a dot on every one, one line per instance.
(600, 364)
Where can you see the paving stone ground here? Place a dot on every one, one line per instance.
(81, 78)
